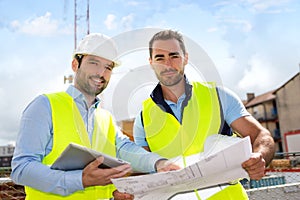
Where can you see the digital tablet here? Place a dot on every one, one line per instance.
(76, 157)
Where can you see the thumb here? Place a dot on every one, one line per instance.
(97, 162)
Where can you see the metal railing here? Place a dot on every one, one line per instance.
(282, 180)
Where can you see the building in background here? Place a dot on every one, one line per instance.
(288, 106)
(126, 127)
(264, 109)
(279, 111)
(6, 153)
(8, 189)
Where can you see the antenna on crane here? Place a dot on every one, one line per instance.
(81, 25)
(81, 20)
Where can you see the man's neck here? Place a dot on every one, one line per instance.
(90, 99)
(172, 93)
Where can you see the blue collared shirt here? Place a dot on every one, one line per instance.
(35, 141)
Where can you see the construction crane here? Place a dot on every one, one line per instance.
(81, 20)
(81, 25)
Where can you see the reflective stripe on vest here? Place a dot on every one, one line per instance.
(201, 118)
(68, 126)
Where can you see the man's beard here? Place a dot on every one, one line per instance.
(103, 82)
(84, 85)
(169, 81)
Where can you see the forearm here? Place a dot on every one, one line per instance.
(41, 177)
(140, 159)
(261, 139)
(264, 144)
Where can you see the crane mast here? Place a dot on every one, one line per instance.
(81, 20)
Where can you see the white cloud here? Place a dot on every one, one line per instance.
(263, 5)
(212, 29)
(222, 3)
(110, 22)
(127, 21)
(135, 3)
(41, 26)
(259, 77)
(243, 25)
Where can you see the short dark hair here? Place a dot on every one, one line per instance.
(79, 58)
(166, 35)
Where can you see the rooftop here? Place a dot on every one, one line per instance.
(268, 96)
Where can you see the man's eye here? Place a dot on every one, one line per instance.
(159, 59)
(175, 56)
(108, 67)
(93, 63)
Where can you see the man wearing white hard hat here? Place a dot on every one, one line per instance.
(52, 121)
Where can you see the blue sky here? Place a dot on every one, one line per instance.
(254, 44)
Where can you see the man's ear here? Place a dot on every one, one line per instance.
(186, 59)
(150, 61)
(75, 65)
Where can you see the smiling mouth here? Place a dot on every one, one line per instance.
(166, 73)
(97, 80)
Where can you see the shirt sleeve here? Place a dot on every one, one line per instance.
(232, 106)
(139, 132)
(33, 143)
(140, 159)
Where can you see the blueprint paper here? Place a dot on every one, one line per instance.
(219, 163)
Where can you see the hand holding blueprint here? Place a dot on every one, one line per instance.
(220, 163)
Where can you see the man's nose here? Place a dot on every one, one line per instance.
(101, 70)
(168, 62)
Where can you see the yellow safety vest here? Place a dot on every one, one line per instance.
(68, 126)
(201, 118)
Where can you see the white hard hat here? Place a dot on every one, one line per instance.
(97, 44)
